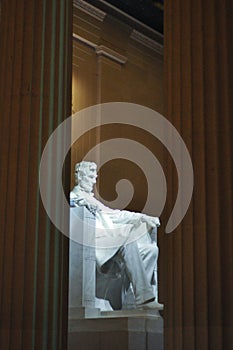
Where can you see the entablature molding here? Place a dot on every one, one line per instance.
(102, 50)
(147, 41)
(89, 9)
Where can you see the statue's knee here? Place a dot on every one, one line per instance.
(128, 249)
(154, 250)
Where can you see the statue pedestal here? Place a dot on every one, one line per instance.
(83, 312)
(136, 330)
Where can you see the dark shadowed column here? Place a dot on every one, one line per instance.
(35, 95)
(199, 286)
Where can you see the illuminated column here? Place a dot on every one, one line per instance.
(198, 287)
(35, 70)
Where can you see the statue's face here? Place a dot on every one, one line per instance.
(92, 174)
(89, 175)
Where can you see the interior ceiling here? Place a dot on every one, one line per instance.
(149, 12)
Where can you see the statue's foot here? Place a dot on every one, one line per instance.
(152, 305)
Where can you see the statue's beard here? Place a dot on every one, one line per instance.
(86, 186)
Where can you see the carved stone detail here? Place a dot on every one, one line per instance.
(89, 9)
(102, 50)
(146, 41)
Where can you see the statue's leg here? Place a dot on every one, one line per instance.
(136, 272)
(149, 254)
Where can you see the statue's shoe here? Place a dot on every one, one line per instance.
(153, 305)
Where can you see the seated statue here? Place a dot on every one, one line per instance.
(119, 240)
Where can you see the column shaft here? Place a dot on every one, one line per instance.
(198, 262)
(35, 70)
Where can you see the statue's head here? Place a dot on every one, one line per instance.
(85, 175)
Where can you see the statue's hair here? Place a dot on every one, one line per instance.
(81, 168)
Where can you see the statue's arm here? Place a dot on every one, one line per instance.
(79, 201)
(76, 201)
(129, 217)
(117, 216)
(151, 221)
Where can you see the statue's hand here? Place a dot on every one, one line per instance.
(82, 202)
(151, 220)
(91, 207)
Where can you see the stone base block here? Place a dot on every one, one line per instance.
(123, 333)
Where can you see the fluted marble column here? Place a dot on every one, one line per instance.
(198, 286)
(35, 64)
